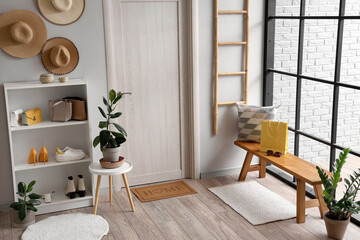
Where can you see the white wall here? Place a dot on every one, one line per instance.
(218, 152)
(88, 36)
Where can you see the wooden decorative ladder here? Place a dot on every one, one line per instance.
(216, 45)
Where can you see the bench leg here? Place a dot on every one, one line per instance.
(319, 194)
(245, 167)
(262, 171)
(300, 201)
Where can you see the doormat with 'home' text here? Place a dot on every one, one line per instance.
(162, 191)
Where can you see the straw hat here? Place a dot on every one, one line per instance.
(60, 56)
(22, 33)
(61, 12)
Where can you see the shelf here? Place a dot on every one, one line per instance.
(38, 84)
(59, 202)
(48, 124)
(51, 163)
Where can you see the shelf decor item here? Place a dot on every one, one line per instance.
(22, 33)
(25, 206)
(43, 156)
(60, 56)
(63, 79)
(61, 12)
(32, 159)
(47, 78)
(31, 117)
(109, 140)
(60, 110)
(340, 211)
(78, 108)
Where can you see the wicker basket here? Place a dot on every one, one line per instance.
(46, 78)
(116, 164)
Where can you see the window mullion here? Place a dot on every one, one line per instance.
(335, 108)
(298, 78)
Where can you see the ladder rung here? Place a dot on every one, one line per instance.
(232, 12)
(231, 43)
(232, 73)
(229, 103)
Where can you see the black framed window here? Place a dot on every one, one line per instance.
(312, 68)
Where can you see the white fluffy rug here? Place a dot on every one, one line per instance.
(255, 203)
(79, 226)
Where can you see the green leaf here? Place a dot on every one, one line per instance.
(120, 140)
(103, 124)
(21, 194)
(102, 112)
(96, 141)
(30, 186)
(117, 98)
(32, 208)
(104, 137)
(112, 95)
(105, 102)
(117, 134)
(35, 196)
(15, 205)
(34, 202)
(120, 128)
(115, 115)
(113, 143)
(21, 187)
(22, 212)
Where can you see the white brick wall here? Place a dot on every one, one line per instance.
(318, 61)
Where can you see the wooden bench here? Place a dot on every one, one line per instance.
(304, 171)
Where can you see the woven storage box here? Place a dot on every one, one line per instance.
(46, 78)
(78, 108)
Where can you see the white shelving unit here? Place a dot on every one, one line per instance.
(52, 176)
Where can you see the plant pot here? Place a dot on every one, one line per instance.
(335, 228)
(111, 154)
(29, 219)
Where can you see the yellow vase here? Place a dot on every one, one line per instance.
(43, 156)
(32, 156)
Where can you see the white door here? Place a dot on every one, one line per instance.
(149, 57)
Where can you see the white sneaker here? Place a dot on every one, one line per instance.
(69, 154)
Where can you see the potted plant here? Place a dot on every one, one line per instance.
(25, 206)
(110, 140)
(338, 216)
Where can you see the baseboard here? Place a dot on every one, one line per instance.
(5, 206)
(222, 172)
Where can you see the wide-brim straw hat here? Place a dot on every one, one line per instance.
(22, 33)
(61, 12)
(60, 56)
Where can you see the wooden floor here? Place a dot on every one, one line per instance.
(198, 216)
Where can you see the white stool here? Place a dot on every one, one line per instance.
(96, 169)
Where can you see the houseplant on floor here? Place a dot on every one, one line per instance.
(25, 206)
(112, 134)
(338, 216)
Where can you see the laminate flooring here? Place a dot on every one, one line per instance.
(198, 216)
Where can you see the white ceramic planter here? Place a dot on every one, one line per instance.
(111, 154)
(29, 219)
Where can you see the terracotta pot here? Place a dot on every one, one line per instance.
(336, 228)
(111, 154)
(29, 219)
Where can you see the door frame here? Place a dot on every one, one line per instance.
(193, 75)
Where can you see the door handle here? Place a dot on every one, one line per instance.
(123, 93)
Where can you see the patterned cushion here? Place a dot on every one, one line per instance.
(249, 121)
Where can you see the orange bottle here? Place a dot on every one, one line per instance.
(32, 156)
(43, 156)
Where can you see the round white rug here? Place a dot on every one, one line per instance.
(68, 227)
